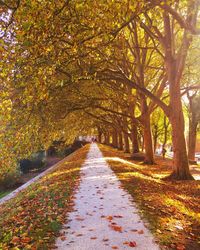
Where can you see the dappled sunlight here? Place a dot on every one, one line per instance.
(125, 162)
(160, 175)
(180, 206)
(196, 176)
(131, 172)
(59, 173)
(172, 224)
(128, 175)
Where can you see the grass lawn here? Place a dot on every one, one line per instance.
(171, 208)
(33, 218)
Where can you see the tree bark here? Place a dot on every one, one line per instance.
(148, 142)
(175, 63)
(181, 165)
(180, 159)
(120, 141)
(155, 138)
(192, 138)
(99, 135)
(126, 143)
(107, 138)
(114, 138)
(134, 139)
(165, 132)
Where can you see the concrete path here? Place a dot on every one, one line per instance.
(104, 216)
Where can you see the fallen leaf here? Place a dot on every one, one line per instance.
(63, 238)
(79, 219)
(26, 240)
(105, 240)
(116, 228)
(115, 247)
(132, 244)
(126, 242)
(15, 239)
(109, 218)
(140, 232)
(118, 216)
(180, 247)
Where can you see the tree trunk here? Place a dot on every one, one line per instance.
(165, 132)
(126, 143)
(99, 135)
(120, 142)
(192, 138)
(148, 142)
(155, 138)
(175, 63)
(181, 165)
(134, 138)
(180, 159)
(107, 138)
(125, 135)
(114, 138)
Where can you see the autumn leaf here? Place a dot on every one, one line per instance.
(93, 238)
(116, 228)
(63, 238)
(26, 240)
(109, 218)
(115, 247)
(132, 244)
(118, 216)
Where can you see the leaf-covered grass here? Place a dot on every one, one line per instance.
(33, 218)
(171, 208)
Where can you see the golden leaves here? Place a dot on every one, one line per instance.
(35, 216)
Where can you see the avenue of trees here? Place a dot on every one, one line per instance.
(128, 70)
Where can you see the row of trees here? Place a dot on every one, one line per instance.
(70, 66)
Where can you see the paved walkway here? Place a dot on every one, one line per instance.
(104, 216)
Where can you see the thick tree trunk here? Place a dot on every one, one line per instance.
(99, 136)
(180, 159)
(134, 139)
(120, 141)
(192, 139)
(107, 138)
(148, 142)
(114, 138)
(175, 63)
(181, 165)
(126, 143)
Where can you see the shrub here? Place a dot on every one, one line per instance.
(8, 179)
(36, 161)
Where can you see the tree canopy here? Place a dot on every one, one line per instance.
(72, 67)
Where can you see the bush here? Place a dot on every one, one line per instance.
(75, 145)
(9, 179)
(36, 161)
(25, 165)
